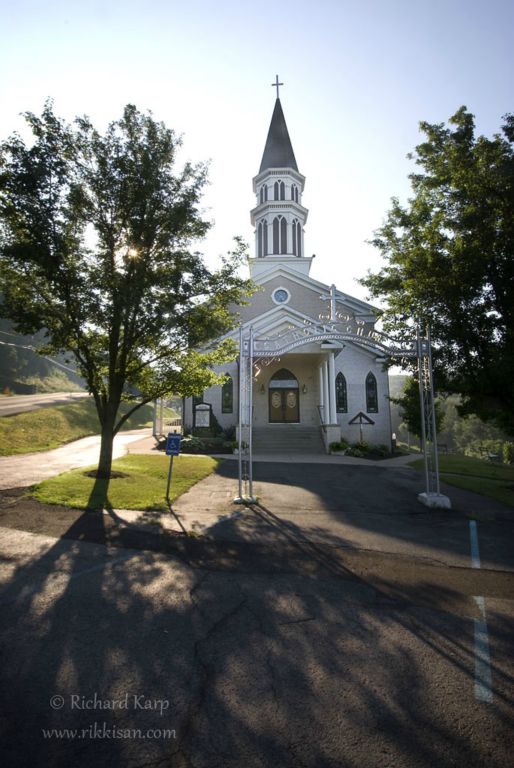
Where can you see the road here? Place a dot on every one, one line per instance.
(337, 624)
(21, 403)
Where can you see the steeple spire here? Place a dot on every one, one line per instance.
(279, 216)
(278, 152)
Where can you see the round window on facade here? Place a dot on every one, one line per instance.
(281, 296)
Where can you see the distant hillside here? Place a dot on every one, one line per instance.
(23, 371)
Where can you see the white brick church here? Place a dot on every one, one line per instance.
(316, 391)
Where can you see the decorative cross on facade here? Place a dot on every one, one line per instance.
(276, 85)
(332, 298)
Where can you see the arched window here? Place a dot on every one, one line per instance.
(227, 396)
(294, 193)
(341, 394)
(264, 194)
(296, 230)
(284, 379)
(262, 239)
(371, 394)
(279, 235)
(298, 238)
(283, 236)
(280, 190)
(276, 234)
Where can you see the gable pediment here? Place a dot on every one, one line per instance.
(305, 296)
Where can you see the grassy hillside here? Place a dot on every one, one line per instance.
(24, 372)
(49, 428)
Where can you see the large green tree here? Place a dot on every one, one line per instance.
(96, 248)
(449, 256)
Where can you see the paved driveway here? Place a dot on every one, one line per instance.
(337, 624)
(366, 506)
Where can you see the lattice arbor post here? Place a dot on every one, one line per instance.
(245, 431)
(432, 496)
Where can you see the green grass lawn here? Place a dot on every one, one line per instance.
(144, 488)
(48, 428)
(478, 475)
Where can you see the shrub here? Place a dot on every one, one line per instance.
(338, 445)
(192, 445)
(229, 433)
(355, 452)
(362, 450)
(480, 449)
(508, 453)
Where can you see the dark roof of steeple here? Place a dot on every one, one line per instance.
(278, 152)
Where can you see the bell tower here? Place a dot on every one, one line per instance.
(279, 216)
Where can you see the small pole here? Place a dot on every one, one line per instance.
(422, 406)
(154, 424)
(169, 479)
(250, 416)
(432, 414)
(240, 435)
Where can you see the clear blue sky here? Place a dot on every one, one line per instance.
(359, 76)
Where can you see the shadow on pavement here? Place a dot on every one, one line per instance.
(298, 662)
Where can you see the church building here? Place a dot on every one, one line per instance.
(318, 387)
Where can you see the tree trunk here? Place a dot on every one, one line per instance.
(107, 437)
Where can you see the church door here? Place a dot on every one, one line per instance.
(284, 392)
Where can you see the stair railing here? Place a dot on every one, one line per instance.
(321, 414)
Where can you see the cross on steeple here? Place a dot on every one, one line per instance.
(276, 85)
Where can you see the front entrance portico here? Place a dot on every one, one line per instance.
(286, 390)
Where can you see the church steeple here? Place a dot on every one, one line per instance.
(279, 216)
(278, 152)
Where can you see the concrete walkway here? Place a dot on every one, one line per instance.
(24, 470)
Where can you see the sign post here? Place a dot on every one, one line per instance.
(361, 419)
(172, 449)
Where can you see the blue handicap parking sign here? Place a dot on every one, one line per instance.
(172, 444)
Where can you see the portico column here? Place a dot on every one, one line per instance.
(321, 394)
(332, 387)
(326, 401)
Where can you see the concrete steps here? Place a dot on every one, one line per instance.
(287, 438)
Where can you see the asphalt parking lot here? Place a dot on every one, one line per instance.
(337, 623)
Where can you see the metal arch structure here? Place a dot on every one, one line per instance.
(340, 329)
(244, 430)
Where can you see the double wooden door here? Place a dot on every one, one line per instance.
(283, 405)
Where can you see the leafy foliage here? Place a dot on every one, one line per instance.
(96, 234)
(450, 262)
(410, 407)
